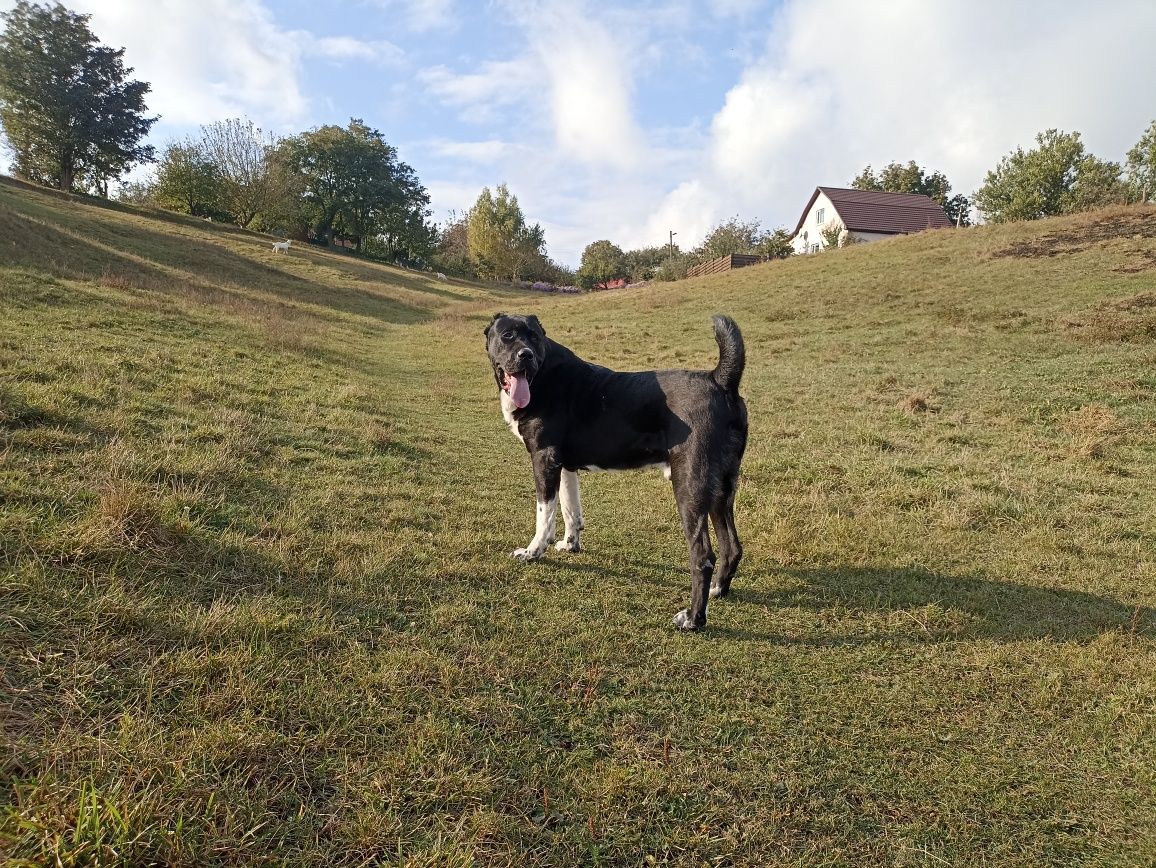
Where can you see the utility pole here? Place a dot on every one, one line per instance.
(670, 246)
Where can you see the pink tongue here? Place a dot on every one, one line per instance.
(519, 390)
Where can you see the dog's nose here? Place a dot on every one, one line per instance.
(525, 354)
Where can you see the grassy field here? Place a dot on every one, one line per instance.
(257, 603)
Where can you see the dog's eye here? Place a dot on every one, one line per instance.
(508, 336)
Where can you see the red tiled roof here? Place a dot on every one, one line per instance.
(891, 213)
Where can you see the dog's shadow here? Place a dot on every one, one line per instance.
(961, 606)
(967, 606)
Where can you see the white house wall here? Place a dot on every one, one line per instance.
(810, 233)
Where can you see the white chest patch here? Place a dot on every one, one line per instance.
(508, 414)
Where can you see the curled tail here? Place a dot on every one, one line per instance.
(732, 354)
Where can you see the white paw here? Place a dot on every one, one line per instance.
(715, 592)
(527, 555)
(683, 622)
(568, 545)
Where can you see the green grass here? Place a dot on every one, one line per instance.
(257, 604)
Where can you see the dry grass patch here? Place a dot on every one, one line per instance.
(1128, 319)
(127, 516)
(1135, 223)
(1094, 429)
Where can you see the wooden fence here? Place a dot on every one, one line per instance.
(724, 263)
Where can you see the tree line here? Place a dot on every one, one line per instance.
(332, 185)
(74, 119)
(604, 262)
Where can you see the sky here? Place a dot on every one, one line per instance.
(627, 121)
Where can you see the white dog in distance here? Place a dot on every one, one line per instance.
(441, 276)
(282, 246)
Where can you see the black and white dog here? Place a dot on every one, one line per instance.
(573, 416)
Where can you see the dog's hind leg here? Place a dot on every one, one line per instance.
(730, 550)
(694, 524)
(571, 513)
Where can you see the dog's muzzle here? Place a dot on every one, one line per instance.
(516, 383)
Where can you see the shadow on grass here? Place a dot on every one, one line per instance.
(994, 609)
(17, 414)
(136, 258)
(367, 271)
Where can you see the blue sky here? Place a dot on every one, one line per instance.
(628, 120)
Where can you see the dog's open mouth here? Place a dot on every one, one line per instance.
(517, 386)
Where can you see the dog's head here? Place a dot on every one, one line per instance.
(517, 347)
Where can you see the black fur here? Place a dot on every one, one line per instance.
(582, 416)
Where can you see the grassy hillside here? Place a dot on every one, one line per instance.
(257, 604)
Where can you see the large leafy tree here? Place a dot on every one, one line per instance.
(501, 243)
(356, 187)
(1056, 177)
(602, 262)
(1141, 167)
(70, 113)
(912, 178)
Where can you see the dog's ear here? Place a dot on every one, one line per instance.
(493, 320)
(532, 322)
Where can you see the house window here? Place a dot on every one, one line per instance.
(821, 216)
(814, 248)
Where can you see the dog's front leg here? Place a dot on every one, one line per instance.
(547, 475)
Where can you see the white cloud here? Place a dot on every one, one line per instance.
(478, 95)
(251, 69)
(214, 59)
(490, 151)
(348, 48)
(421, 16)
(589, 72)
(452, 198)
(573, 77)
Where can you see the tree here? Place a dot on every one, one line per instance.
(733, 236)
(675, 266)
(1097, 184)
(355, 187)
(1057, 177)
(602, 262)
(911, 178)
(643, 263)
(737, 236)
(452, 253)
(139, 193)
(833, 237)
(501, 244)
(396, 211)
(543, 268)
(188, 181)
(1141, 167)
(72, 118)
(775, 245)
(240, 151)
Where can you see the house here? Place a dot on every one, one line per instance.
(864, 215)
